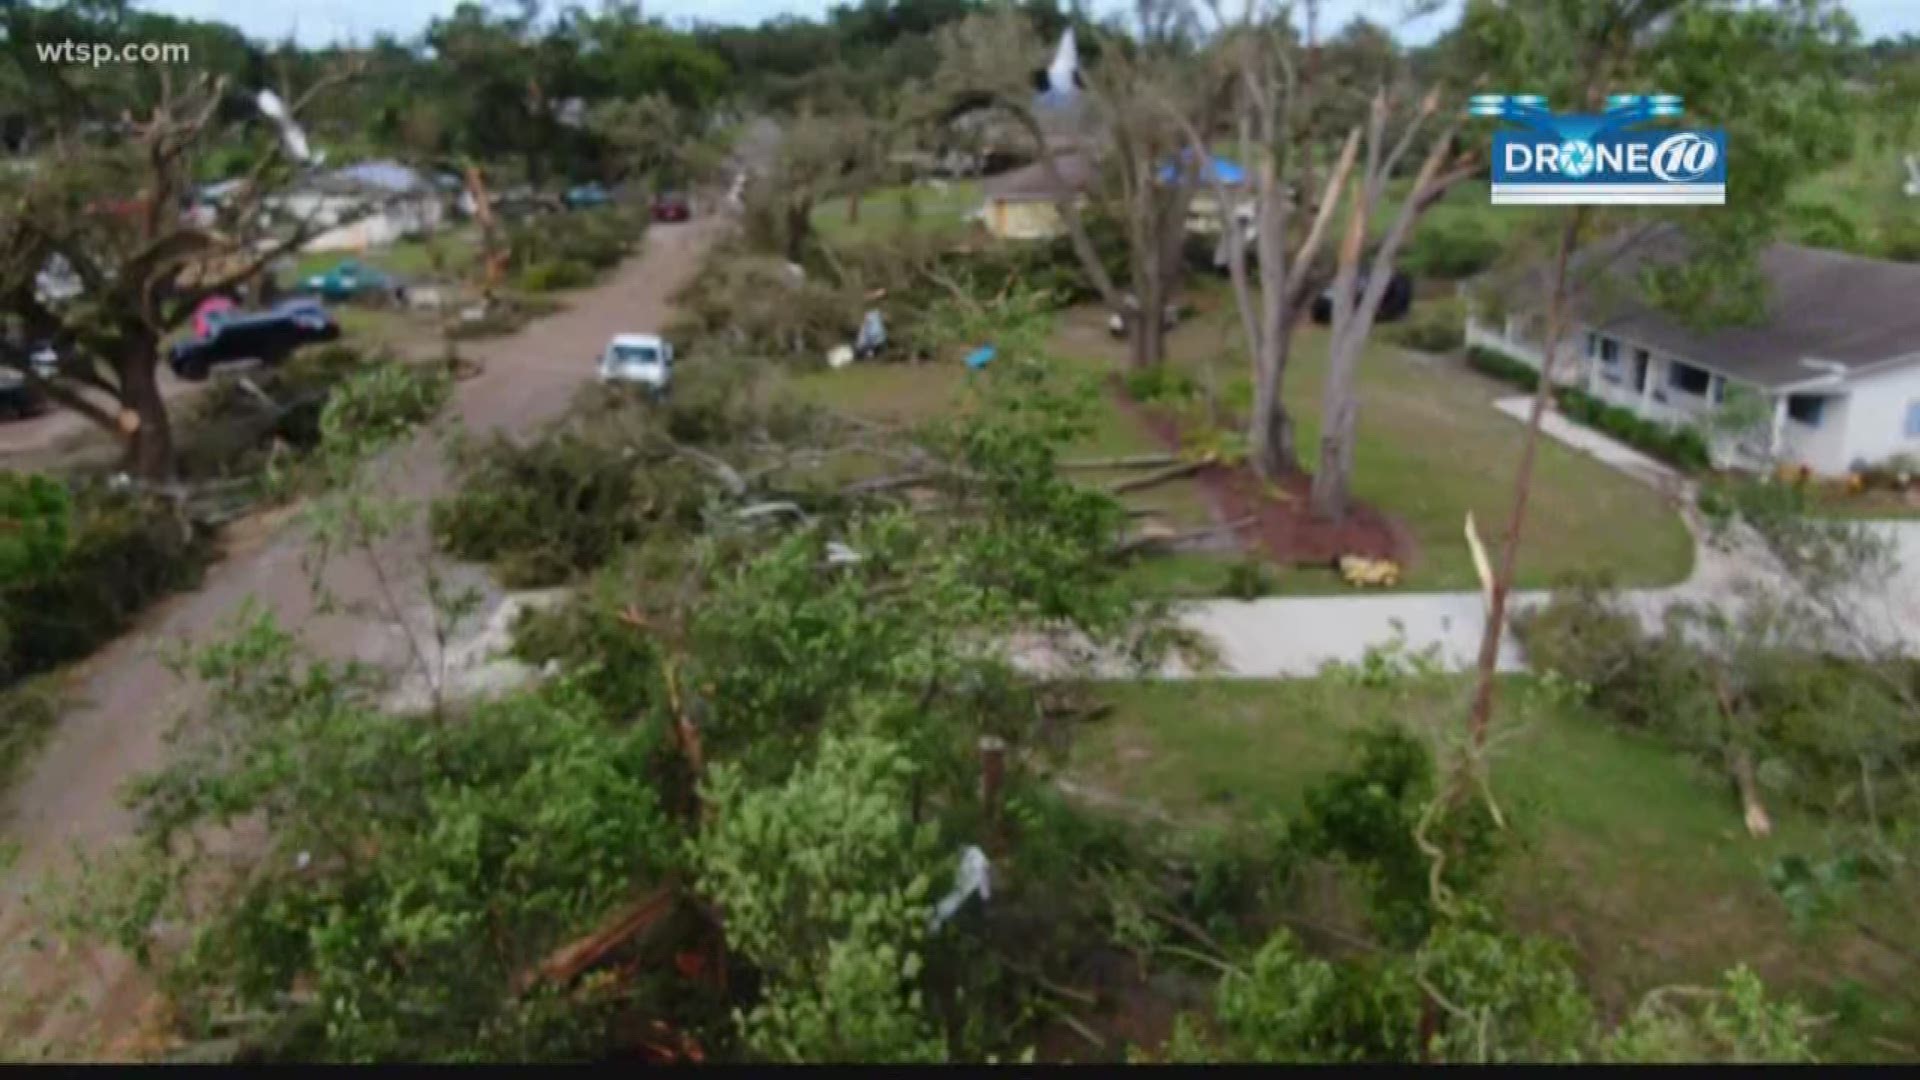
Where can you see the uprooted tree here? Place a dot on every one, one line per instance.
(100, 261)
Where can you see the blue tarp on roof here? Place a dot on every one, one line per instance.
(1214, 168)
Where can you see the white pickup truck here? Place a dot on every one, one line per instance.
(641, 359)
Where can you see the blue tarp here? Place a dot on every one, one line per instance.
(1214, 168)
(980, 357)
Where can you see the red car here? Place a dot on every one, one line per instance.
(670, 208)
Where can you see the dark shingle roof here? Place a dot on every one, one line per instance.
(1821, 305)
(1033, 182)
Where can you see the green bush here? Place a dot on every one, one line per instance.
(543, 512)
(1683, 447)
(1503, 367)
(597, 239)
(1161, 384)
(381, 403)
(555, 275)
(607, 476)
(1249, 579)
(121, 553)
(28, 712)
(1680, 446)
(1366, 817)
(1451, 246)
(1900, 236)
(1436, 327)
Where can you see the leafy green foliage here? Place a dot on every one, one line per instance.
(824, 882)
(1737, 1023)
(1682, 446)
(1451, 246)
(1828, 733)
(1434, 327)
(413, 869)
(1286, 1006)
(570, 248)
(34, 519)
(1366, 817)
(120, 553)
(542, 511)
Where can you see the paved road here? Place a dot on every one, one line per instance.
(68, 801)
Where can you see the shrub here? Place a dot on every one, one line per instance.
(1900, 236)
(556, 274)
(1249, 579)
(1366, 817)
(1438, 327)
(28, 712)
(1684, 447)
(121, 552)
(381, 403)
(1503, 367)
(1451, 246)
(604, 478)
(1161, 384)
(542, 512)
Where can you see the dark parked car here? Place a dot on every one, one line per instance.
(19, 398)
(267, 336)
(1393, 303)
(671, 207)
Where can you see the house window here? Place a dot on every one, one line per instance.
(1913, 419)
(1806, 409)
(1593, 345)
(1688, 379)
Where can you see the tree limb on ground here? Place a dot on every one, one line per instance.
(1141, 543)
(1161, 476)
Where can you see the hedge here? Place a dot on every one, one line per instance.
(1681, 447)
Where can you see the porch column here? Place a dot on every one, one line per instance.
(1656, 370)
(1776, 438)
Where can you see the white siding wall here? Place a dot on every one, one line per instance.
(1823, 448)
(1876, 421)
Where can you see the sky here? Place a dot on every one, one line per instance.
(315, 22)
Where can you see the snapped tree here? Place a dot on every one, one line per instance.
(140, 263)
(1767, 74)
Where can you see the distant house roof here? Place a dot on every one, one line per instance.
(1825, 306)
(371, 178)
(1033, 182)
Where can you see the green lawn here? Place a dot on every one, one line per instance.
(1630, 852)
(1431, 449)
(883, 210)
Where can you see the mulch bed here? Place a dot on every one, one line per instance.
(1284, 525)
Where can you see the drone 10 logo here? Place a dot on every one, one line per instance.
(1579, 158)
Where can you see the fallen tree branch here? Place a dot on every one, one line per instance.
(567, 962)
(1129, 461)
(1160, 476)
(1139, 543)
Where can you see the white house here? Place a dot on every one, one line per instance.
(365, 205)
(1835, 359)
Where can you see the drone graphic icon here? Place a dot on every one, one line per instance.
(1575, 132)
